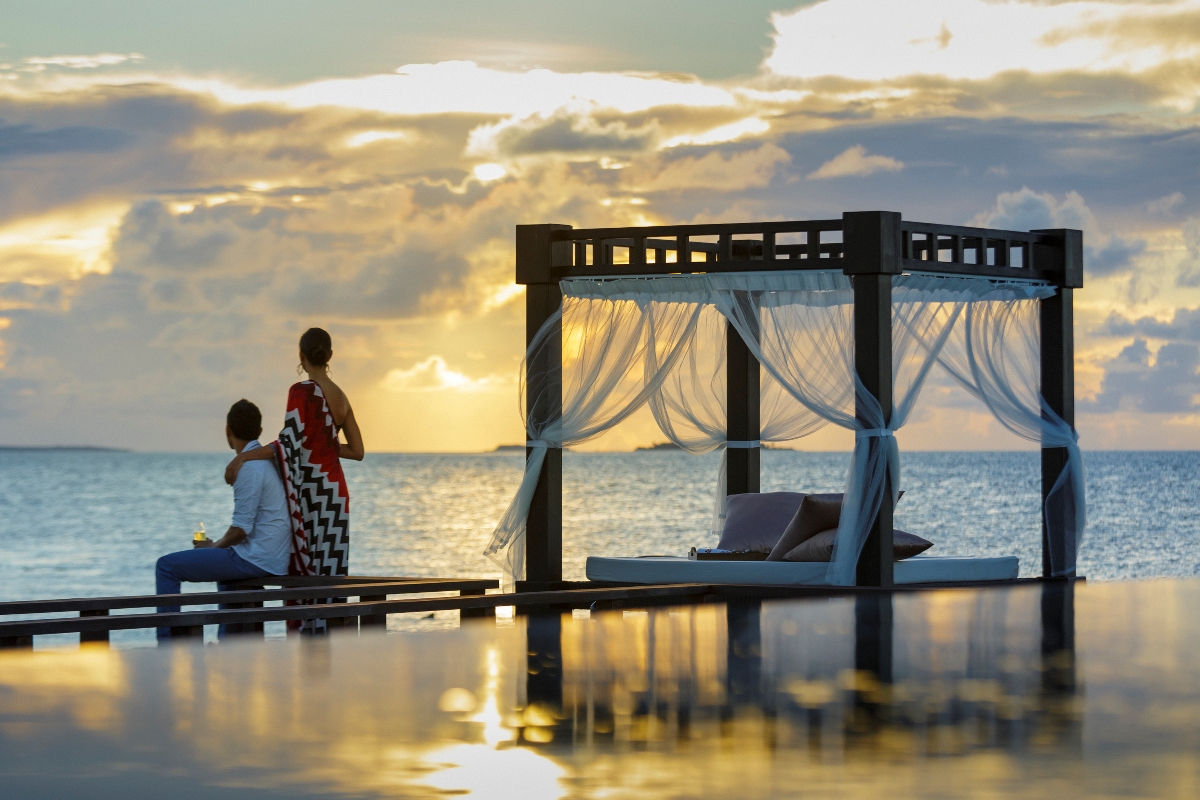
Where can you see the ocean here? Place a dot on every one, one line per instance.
(79, 523)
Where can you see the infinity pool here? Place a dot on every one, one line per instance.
(1037, 691)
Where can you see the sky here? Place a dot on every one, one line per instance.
(185, 188)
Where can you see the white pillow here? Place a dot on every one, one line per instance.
(756, 521)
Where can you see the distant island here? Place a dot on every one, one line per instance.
(671, 446)
(509, 448)
(61, 447)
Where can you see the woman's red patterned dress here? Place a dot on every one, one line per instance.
(318, 498)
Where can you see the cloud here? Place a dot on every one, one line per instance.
(1164, 205)
(163, 239)
(1104, 253)
(22, 141)
(976, 39)
(432, 375)
(563, 133)
(1189, 275)
(733, 170)
(1162, 382)
(751, 126)
(465, 87)
(1184, 326)
(84, 62)
(855, 161)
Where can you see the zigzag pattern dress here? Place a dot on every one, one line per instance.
(306, 454)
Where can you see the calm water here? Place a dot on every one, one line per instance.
(80, 523)
(1036, 692)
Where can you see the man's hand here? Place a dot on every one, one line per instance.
(204, 543)
(231, 469)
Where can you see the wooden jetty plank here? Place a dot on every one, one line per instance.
(312, 592)
(291, 581)
(19, 634)
(187, 619)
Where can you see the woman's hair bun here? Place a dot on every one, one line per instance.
(316, 346)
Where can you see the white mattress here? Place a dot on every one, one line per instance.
(666, 569)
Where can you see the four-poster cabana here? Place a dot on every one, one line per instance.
(863, 264)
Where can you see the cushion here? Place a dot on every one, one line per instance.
(820, 547)
(756, 521)
(820, 513)
(817, 513)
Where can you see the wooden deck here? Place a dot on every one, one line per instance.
(246, 613)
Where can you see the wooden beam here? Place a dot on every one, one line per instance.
(537, 257)
(872, 254)
(21, 631)
(100, 605)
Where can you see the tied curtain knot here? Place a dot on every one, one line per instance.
(539, 443)
(871, 432)
(746, 445)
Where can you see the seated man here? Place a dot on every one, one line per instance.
(259, 540)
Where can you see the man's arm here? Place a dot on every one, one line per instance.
(231, 537)
(247, 494)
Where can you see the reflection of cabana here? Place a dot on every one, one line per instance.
(844, 317)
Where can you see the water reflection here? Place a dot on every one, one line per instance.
(934, 694)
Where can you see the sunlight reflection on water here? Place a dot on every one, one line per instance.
(1044, 692)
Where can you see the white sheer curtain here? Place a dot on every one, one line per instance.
(995, 354)
(690, 403)
(606, 340)
(806, 341)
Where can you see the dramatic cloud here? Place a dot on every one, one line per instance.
(1184, 326)
(1163, 382)
(855, 161)
(83, 62)
(1104, 253)
(164, 238)
(433, 375)
(974, 39)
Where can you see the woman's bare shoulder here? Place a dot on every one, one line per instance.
(339, 404)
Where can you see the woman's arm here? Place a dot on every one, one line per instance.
(263, 453)
(353, 448)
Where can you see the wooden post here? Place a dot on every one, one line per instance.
(742, 413)
(468, 613)
(536, 255)
(372, 620)
(95, 636)
(1057, 324)
(871, 255)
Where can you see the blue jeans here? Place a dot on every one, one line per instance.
(204, 564)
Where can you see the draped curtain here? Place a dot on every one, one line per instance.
(661, 341)
(690, 404)
(607, 340)
(995, 355)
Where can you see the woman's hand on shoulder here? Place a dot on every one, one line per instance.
(232, 468)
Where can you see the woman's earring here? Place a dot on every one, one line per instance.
(299, 369)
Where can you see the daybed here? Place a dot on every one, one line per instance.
(667, 569)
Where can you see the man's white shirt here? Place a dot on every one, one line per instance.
(260, 509)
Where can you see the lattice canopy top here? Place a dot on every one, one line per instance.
(870, 242)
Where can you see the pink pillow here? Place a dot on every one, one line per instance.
(756, 521)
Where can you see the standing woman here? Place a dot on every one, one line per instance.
(308, 455)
